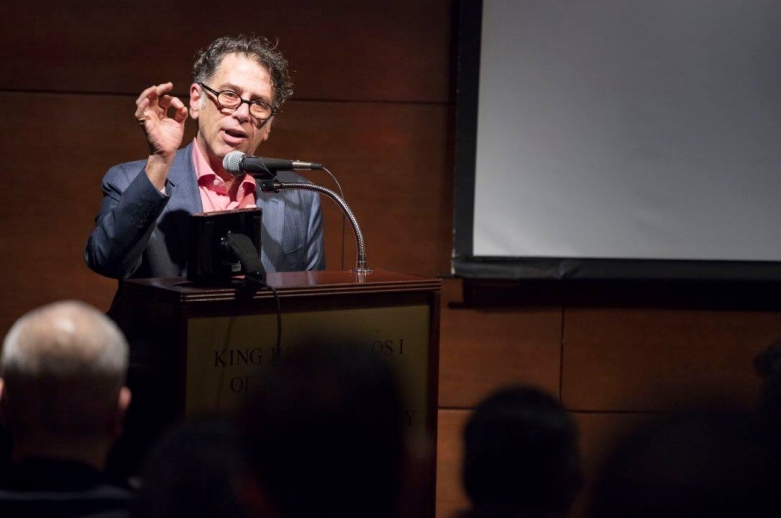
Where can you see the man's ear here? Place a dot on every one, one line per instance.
(267, 129)
(3, 404)
(123, 402)
(196, 100)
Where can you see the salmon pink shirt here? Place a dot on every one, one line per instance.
(214, 192)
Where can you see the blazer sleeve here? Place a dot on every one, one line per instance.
(128, 214)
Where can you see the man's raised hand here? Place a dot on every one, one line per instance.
(164, 131)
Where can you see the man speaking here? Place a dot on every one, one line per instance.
(239, 83)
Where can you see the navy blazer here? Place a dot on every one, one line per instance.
(139, 232)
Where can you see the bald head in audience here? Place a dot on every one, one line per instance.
(63, 368)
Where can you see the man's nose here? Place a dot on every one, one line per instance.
(242, 112)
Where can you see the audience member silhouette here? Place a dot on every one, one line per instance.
(520, 456)
(62, 395)
(325, 436)
(768, 366)
(194, 471)
(697, 464)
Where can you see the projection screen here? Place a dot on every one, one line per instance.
(619, 138)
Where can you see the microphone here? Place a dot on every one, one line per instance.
(238, 163)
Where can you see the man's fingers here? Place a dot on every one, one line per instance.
(146, 93)
(168, 101)
(177, 103)
(164, 88)
(154, 93)
(141, 107)
(165, 101)
(181, 113)
(155, 101)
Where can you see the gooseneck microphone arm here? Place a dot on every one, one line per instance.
(276, 186)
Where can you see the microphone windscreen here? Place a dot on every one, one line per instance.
(232, 162)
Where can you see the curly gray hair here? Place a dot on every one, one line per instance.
(256, 48)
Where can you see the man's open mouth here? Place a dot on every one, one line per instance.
(235, 133)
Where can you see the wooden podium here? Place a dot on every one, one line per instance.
(197, 350)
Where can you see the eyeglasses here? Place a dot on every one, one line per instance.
(230, 100)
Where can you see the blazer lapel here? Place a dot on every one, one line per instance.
(273, 220)
(182, 187)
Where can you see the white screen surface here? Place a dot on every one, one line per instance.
(629, 129)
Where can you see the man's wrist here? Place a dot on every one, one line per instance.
(157, 168)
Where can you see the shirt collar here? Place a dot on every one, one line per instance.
(208, 178)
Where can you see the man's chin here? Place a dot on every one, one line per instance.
(223, 147)
(227, 148)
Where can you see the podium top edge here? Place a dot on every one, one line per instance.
(326, 282)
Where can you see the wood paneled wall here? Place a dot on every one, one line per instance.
(374, 101)
(614, 367)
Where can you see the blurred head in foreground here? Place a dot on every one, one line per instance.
(193, 472)
(768, 365)
(63, 367)
(521, 456)
(702, 463)
(325, 436)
